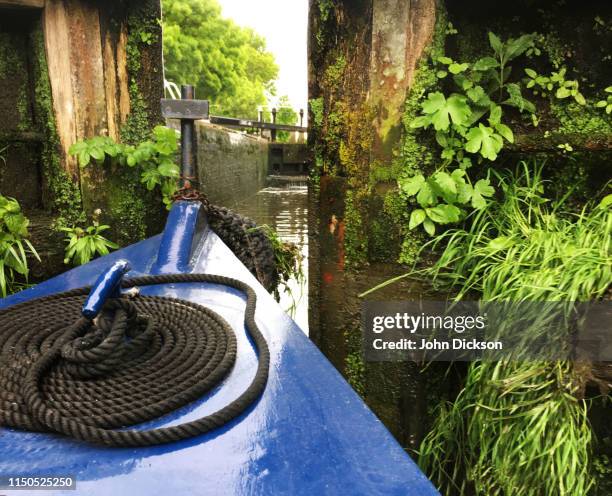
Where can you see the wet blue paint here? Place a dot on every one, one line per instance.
(107, 286)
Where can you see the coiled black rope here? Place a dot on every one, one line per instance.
(139, 360)
(249, 243)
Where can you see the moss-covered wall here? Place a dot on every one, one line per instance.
(358, 82)
(132, 212)
(363, 143)
(116, 92)
(19, 138)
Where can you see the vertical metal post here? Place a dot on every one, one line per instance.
(301, 124)
(187, 136)
(261, 119)
(273, 131)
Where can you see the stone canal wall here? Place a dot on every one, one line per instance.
(231, 165)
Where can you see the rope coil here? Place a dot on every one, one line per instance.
(139, 360)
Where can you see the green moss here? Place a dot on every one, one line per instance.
(326, 7)
(354, 365)
(61, 193)
(142, 32)
(355, 237)
(128, 212)
(136, 128)
(580, 119)
(354, 370)
(14, 72)
(315, 172)
(384, 229)
(316, 108)
(333, 73)
(131, 207)
(23, 108)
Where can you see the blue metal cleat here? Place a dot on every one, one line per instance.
(107, 286)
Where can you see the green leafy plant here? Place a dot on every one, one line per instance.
(441, 197)
(524, 248)
(468, 125)
(607, 103)
(155, 158)
(556, 82)
(83, 244)
(14, 245)
(518, 427)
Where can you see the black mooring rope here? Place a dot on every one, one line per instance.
(139, 360)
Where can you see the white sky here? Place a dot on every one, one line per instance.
(284, 25)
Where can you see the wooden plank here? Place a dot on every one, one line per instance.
(26, 4)
(122, 75)
(110, 86)
(87, 69)
(58, 48)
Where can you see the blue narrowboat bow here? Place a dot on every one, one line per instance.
(308, 433)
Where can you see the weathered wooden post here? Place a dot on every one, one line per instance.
(72, 70)
(362, 62)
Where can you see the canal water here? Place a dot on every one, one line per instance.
(283, 206)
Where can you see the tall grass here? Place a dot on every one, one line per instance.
(518, 428)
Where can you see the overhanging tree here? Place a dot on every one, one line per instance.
(228, 64)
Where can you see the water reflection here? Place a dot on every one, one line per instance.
(284, 207)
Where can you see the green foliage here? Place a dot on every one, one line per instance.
(468, 126)
(439, 195)
(333, 74)
(543, 243)
(555, 82)
(155, 158)
(517, 427)
(228, 64)
(285, 114)
(316, 108)
(607, 103)
(14, 245)
(288, 260)
(83, 244)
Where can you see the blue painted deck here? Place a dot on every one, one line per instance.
(310, 433)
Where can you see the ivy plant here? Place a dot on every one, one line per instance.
(14, 245)
(468, 125)
(155, 158)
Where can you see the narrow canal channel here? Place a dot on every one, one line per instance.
(283, 206)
